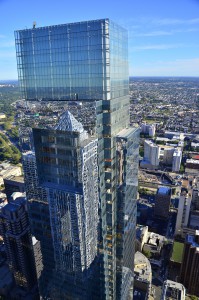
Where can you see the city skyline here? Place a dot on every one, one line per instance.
(162, 36)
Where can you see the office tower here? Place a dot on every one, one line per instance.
(177, 157)
(15, 229)
(173, 290)
(13, 184)
(151, 154)
(189, 272)
(88, 62)
(143, 275)
(148, 129)
(38, 210)
(127, 146)
(195, 196)
(184, 206)
(168, 156)
(162, 202)
(67, 169)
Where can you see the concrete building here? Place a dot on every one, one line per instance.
(184, 207)
(173, 290)
(192, 166)
(177, 157)
(154, 245)
(189, 273)
(168, 156)
(2, 116)
(148, 129)
(13, 184)
(162, 202)
(141, 237)
(195, 197)
(142, 274)
(151, 155)
(7, 170)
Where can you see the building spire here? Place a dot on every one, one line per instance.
(67, 122)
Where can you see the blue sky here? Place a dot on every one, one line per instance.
(163, 35)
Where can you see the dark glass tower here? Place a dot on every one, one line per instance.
(88, 62)
(67, 169)
(15, 229)
(189, 272)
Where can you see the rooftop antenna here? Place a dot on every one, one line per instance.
(34, 24)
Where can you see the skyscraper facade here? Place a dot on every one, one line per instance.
(67, 169)
(189, 272)
(162, 202)
(88, 61)
(15, 229)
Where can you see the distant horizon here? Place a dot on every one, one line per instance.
(130, 76)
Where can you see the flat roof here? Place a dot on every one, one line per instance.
(164, 190)
(124, 133)
(177, 252)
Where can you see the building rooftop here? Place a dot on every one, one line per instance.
(67, 122)
(59, 25)
(173, 290)
(15, 178)
(192, 239)
(177, 252)
(192, 161)
(126, 132)
(140, 231)
(142, 267)
(163, 190)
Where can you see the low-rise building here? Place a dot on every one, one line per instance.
(192, 166)
(13, 184)
(172, 290)
(142, 274)
(6, 170)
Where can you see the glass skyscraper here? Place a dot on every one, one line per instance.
(85, 60)
(88, 62)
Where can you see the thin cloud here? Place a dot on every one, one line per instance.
(7, 44)
(174, 21)
(153, 22)
(178, 67)
(7, 54)
(162, 32)
(156, 47)
(153, 33)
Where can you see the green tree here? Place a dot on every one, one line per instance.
(147, 253)
(192, 297)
